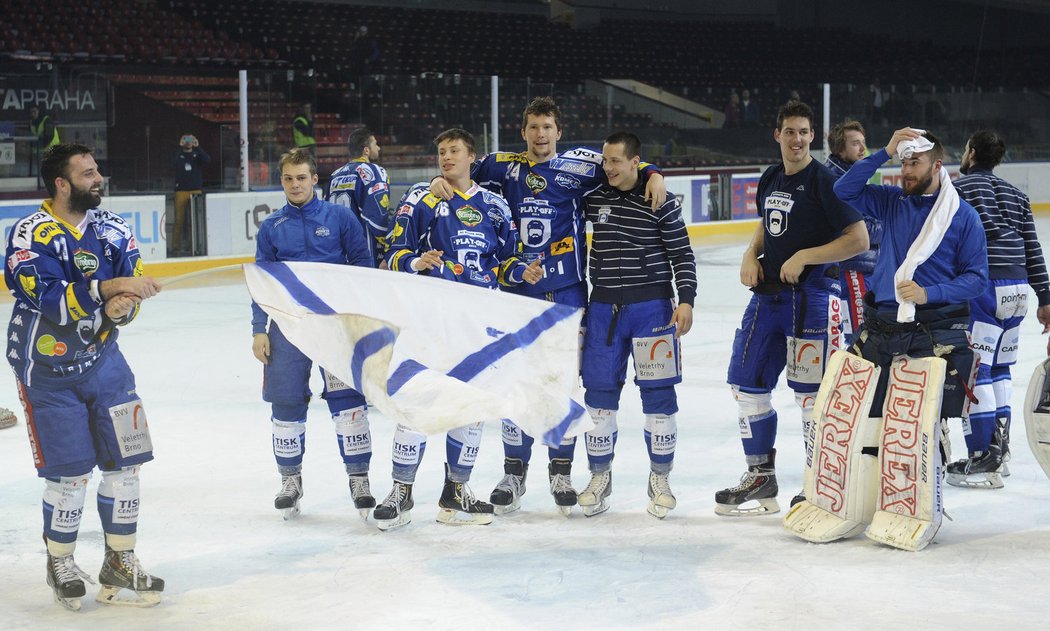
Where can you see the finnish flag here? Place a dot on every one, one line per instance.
(428, 353)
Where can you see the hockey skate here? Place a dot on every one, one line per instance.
(560, 473)
(361, 494)
(506, 497)
(982, 470)
(287, 500)
(396, 510)
(7, 418)
(592, 499)
(758, 484)
(661, 499)
(66, 581)
(1001, 437)
(122, 571)
(459, 507)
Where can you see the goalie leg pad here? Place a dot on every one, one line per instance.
(1037, 415)
(910, 500)
(840, 486)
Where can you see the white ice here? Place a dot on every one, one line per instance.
(208, 526)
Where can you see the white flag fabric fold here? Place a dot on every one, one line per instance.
(430, 354)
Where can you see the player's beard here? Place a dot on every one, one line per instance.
(82, 200)
(921, 185)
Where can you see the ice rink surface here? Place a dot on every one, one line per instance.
(208, 526)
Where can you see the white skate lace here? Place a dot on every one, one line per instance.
(396, 497)
(66, 570)
(746, 480)
(511, 483)
(659, 484)
(466, 496)
(359, 486)
(561, 484)
(598, 483)
(290, 487)
(130, 564)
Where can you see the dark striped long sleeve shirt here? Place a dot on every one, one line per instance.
(636, 254)
(1013, 245)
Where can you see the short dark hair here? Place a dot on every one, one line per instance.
(794, 109)
(937, 153)
(988, 149)
(541, 106)
(457, 134)
(298, 155)
(837, 135)
(357, 140)
(56, 163)
(632, 146)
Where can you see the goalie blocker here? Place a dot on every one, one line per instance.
(1037, 415)
(883, 475)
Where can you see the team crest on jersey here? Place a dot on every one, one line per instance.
(535, 182)
(778, 210)
(469, 216)
(85, 261)
(322, 231)
(603, 214)
(535, 231)
(471, 259)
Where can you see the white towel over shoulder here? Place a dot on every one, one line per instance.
(929, 238)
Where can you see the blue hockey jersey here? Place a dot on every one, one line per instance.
(474, 230)
(545, 201)
(59, 330)
(364, 188)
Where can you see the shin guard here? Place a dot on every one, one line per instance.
(840, 483)
(909, 499)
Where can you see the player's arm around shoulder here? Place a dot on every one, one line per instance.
(416, 211)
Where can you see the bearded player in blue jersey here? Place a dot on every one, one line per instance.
(76, 276)
(468, 239)
(804, 229)
(545, 190)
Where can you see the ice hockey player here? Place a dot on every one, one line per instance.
(309, 229)
(76, 276)
(789, 268)
(469, 239)
(545, 191)
(635, 255)
(846, 143)
(1015, 260)
(931, 263)
(362, 186)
